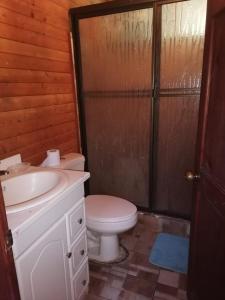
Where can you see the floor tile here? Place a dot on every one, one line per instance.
(151, 277)
(96, 285)
(109, 292)
(182, 295)
(92, 297)
(125, 295)
(139, 286)
(165, 289)
(183, 281)
(169, 278)
(117, 283)
(136, 278)
(98, 276)
(140, 260)
(163, 296)
(129, 242)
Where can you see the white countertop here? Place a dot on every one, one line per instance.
(21, 220)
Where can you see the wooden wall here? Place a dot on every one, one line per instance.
(37, 109)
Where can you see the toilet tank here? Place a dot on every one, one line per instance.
(72, 161)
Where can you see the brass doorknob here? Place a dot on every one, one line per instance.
(190, 176)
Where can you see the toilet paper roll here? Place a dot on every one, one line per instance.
(52, 159)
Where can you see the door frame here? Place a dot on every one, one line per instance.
(109, 8)
(8, 279)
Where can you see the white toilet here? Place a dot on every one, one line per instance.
(106, 217)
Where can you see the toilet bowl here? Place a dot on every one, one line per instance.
(106, 217)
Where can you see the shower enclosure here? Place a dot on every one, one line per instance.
(138, 69)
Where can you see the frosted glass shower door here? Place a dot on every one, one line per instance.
(182, 44)
(116, 58)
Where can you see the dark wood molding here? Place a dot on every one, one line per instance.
(176, 92)
(179, 92)
(156, 58)
(111, 7)
(74, 23)
(117, 6)
(8, 280)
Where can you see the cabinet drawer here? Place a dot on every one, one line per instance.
(81, 280)
(79, 252)
(76, 221)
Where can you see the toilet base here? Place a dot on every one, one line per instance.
(105, 248)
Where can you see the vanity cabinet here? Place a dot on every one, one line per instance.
(44, 268)
(55, 265)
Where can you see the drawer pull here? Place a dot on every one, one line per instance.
(80, 221)
(84, 282)
(69, 254)
(82, 252)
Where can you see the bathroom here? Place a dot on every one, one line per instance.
(156, 127)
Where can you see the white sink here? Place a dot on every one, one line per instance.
(31, 189)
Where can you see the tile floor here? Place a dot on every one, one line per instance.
(136, 278)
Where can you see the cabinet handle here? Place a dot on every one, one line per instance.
(82, 252)
(84, 282)
(80, 221)
(69, 254)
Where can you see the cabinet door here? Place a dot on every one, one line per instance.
(43, 270)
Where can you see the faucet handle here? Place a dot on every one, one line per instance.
(4, 172)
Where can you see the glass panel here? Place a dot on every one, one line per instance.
(116, 55)
(178, 119)
(182, 42)
(183, 29)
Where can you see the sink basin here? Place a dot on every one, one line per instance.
(31, 189)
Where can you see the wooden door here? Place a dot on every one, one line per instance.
(207, 253)
(8, 281)
(43, 270)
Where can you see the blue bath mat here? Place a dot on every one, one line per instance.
(170, 252)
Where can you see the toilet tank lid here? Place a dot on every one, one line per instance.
(71, 157)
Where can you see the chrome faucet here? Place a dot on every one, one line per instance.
(4, 172)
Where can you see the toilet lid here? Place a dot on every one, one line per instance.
(104, 208)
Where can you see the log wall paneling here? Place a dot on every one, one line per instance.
(25, 22)
(37, 110)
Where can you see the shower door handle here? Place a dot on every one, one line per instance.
(190, 176)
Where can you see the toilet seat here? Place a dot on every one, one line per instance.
(108, 209)
(106, 217)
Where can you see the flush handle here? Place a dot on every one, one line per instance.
(82, 252)
(190, 176)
